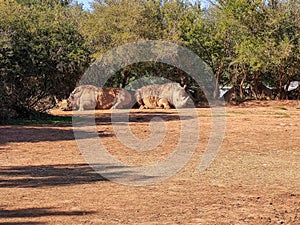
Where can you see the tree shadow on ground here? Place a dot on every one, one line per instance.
(139, 116)
(47, 175)
(105, 116)
(35, 213)
(39, 212)
(22, 223)
(61, 175)
(41, 133)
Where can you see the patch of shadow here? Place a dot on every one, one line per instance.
(140, 117)
(38, 212)
(64, 175)
(126, 174)
(40, 134)
(47, 175)
(22, 223)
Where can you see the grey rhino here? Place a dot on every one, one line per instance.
(161, 96)
(92, 97)
(83, 97)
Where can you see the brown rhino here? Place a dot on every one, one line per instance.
(113, 98)
(161, 96)
(92, 97)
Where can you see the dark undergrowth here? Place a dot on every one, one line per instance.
(35, 118)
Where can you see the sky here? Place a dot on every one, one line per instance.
(86, 3)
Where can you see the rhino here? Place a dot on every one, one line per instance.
(164, 96)
(83, 97)
(92, 97)
(113, 98)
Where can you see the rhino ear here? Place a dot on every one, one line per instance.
(183, 87)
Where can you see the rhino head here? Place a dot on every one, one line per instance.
(180, 97)
(62, 104)
(71, 103)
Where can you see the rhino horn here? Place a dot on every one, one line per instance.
(185, 99)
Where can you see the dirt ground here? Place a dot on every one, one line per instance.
(255, 178)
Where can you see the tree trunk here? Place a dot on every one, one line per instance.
(235, 84)
(255, 86)
(182, 77)
(282, 92)
(218, 77)
(242, 83)
(125, 77)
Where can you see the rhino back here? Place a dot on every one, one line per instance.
(169, 91)
(146, 91)
(108, 97)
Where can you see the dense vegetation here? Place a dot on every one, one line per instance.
(46, 45)
(42, 54)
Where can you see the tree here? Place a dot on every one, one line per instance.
(114, 23)
(259, 43)
(42, 54)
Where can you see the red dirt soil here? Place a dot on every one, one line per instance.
(255, 178)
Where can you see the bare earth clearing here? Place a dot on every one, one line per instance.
(255, 178)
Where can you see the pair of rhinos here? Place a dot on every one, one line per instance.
(153, 96)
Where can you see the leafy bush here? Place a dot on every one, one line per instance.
(42, 55)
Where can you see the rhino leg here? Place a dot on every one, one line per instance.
(121, 99)
(118, 102)
(81, 108)
(163, 103)
(143, 107)
(117, 105)
(150, 102)
(140, 103)
(81, 103)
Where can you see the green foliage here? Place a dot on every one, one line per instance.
(253, 42)
(45, 45)
(114, 23)
(42, 54)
